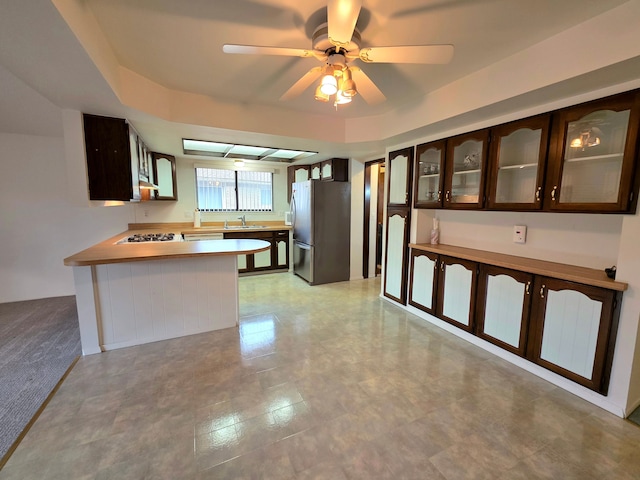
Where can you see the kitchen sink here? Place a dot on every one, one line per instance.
(243, 227)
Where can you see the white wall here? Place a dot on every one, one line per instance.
(40, 225)
(356, 172)
(182, 210)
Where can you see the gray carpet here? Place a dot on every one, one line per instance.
(39, 339)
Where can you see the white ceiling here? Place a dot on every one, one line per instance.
(177, 44)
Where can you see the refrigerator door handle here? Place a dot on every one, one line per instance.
(293, 208)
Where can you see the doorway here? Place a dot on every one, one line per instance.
(373, 217)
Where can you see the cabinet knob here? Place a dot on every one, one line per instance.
(538, 194)
(542, 291)
(442, 266)
(447, 195)
(553, 193)
(439, 195)
(526, 289)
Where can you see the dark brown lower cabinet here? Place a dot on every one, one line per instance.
(566, 327)
(573, 330)
(397, 253)
(457, 285)
(444, 287)
(276, 258)
(503, 305)
(423, 287)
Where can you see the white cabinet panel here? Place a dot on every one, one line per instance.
(326, 170)
(423, 277)
(242, 262)
(570, 333)
(503, 309)
(301, 175)
(282, 252)
(398, 180)
(395, 255)
(262, 259)
(457, 293)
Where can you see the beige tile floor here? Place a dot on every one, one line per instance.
(325, 382)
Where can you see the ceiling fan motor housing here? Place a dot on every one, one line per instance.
(320, 41)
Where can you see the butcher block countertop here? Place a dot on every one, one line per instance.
(588, 276)
(108, 252)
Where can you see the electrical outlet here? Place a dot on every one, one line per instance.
(519, 234)
(145, 213)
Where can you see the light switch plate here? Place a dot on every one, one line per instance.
(519, 234)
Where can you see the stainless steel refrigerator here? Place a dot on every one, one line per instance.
(321, 213)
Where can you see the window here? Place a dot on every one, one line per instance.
(220, 190)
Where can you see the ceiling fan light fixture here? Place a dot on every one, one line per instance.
(347, 85)
(589, 137)
(341, 98)
(329, 84)
(320, 95)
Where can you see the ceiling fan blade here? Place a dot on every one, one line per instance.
(255, 50)
(408, 54)
(366, 88)
(342, 16)
(302, 84)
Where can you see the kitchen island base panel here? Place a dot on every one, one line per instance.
(144, 302)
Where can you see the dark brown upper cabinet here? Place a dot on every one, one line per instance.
(164, 176)
(112, 148)
(464, 171)
(399, 173)
(429, 175)
(593, 156)
(316, 171)
(335, 170)
(516, 165)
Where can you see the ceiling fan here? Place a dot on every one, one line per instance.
(337, 43)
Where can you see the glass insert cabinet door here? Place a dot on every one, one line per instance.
(596, 151)
(517, 161)
(429, 168)
(465, 165)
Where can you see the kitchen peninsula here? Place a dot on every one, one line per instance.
(133, 293)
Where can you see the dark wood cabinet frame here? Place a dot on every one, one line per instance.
(609, 315)
(539, 122)
(522, 277)
(444, 262)
(534, 306)
(552, 164)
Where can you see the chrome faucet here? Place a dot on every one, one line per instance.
(244, 220)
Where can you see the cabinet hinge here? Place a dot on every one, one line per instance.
(631, 197)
